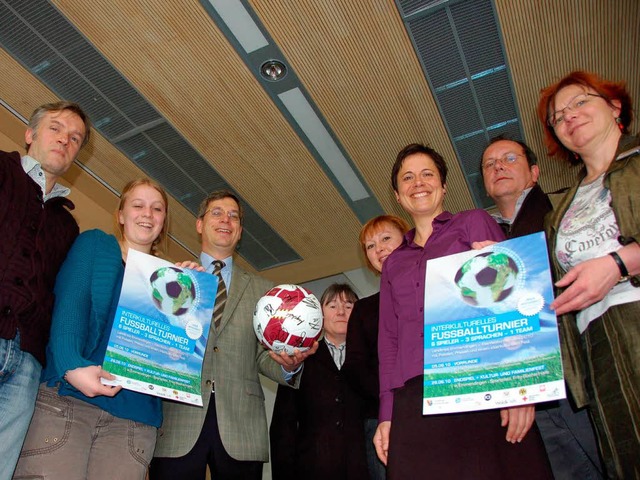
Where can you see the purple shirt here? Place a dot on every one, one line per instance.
(401, 343)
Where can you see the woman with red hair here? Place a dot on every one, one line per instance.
(379, 237)
(593, 239)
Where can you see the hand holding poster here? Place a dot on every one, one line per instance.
(490, 339)
(160, 329)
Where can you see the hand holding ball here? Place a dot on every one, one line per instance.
(288, 317)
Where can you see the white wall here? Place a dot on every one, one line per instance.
(362, 280)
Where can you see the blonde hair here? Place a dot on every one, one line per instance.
(160, 243)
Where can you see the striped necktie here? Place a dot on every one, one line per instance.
(221, 295)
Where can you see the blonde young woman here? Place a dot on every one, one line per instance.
(82, 428)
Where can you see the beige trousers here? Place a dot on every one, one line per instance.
(69, 439)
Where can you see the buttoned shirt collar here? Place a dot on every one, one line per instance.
(337, 352)
(206, 261)
(441, 219)
(33, 168)
(500, 219)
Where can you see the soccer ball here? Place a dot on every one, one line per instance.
(172, 290)
(487, 278)
(288, 317)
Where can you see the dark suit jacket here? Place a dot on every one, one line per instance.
(233, 359)
(361, 359)
(530, 217)
(317, 431)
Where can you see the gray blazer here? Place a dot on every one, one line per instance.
(233, 359)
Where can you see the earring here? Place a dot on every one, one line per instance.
(619, 123)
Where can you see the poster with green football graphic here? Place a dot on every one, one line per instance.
(160, 329)
(490, 338)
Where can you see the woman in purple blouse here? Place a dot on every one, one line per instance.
(475, 445)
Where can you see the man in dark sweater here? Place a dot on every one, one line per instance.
(36, 231)
(510, 173)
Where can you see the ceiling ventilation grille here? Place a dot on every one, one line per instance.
(38, 36)
(461, 51)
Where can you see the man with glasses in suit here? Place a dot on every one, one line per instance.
(229, 434)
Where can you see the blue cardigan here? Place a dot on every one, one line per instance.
(87, 291)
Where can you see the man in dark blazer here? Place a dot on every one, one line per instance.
(229, 434)
(510, 173)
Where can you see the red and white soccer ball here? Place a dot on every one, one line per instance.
(288, 317)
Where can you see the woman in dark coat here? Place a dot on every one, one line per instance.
(316, 431)
(378, 238)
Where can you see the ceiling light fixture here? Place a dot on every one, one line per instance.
(242, 26)
(303, 113)
(273, 70)
(278, 78)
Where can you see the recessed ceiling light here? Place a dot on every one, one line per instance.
(273, 70)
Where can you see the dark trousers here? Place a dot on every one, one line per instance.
(458, 446)
(570, 441)
(208, 450)
(612, 345)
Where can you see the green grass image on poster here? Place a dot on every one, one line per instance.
(125, 366)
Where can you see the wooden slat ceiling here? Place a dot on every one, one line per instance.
(359, 67)
(547, 39)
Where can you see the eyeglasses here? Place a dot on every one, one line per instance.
(508, 158)
(579, 101)
(218, 213)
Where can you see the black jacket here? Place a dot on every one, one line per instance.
(317, 431)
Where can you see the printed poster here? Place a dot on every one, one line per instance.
(160, 329)
(490, 339)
